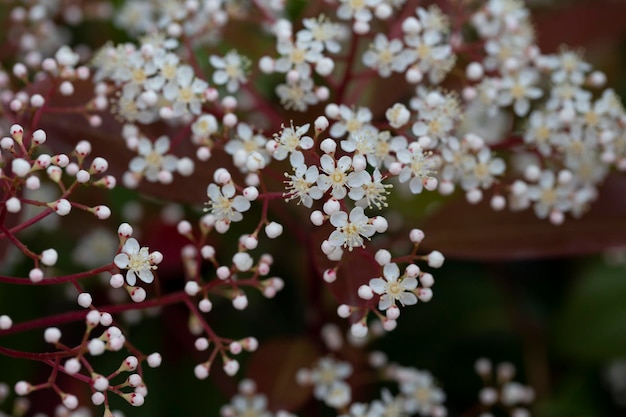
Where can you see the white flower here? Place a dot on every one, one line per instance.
(248, 149)
(297, 56)
(480, 171)
(351, 121)
(419, 167)
(420, 392)
(372, 192)
(187, 94)
(230, 70)
(301, 185)
(297, 95)
(389, 406)
(247, 406)
(137, 260)
(385, 56)
(357, 9)
(392, 290)
(350, 231)
(327, 372)
(222, 204)
(336, 175)
(548, 195)
(288, 142)
(322, 31)
(153, 158)
(519, 89)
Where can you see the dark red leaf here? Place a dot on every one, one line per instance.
(462, 231)
(584, 24)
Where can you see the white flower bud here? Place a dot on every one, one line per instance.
(201, 344)
(154, 360)
(207, 252)
(66, 88)
(250, 193)
(20, 167)
(72, 366)
(389, 324)
(35, 275)
(317, 218)
(62, 207)
(33, 183)
(328, 146)
(191, 288)
(100, 383)
(101, 212)
(235, 348)
(393, 312)
(222, 176)
(240, 302)
(329, 275)
(116, 281)
(497, 202)
(427, 280)
(321, 124)
(382, 257)
(332, 110)
(474, 196)
(474, 71)
(185, 166)
(125, 230)
(137, 294)
(435, 259)
(49, 257)
(84, 300)
(266, 65)
(52, 335)
(344, 311)
(424, 294)
(231, 367)
(273, 230)
(201, 371)
(13, 205)
(93, 318)
(331, 206)
(365, 292)
(324, 66)
(380, 224)
(96, 347)
(243, 261)
(134, 380)
(223, 272)
(5, 322)
(97, 398)
(358, 329)
(205, 305)
(135, 399)
(22, 388)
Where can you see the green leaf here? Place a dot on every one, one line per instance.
(592, 326)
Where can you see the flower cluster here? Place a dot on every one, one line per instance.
(266, 134)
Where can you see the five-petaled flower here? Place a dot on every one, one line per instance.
(391, 289)
(137, 260)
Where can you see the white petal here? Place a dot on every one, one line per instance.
(377, 285)
(131, 246)
(121, 260)
(146, 276)
(407, 299)
(131, 278)
(391, 272)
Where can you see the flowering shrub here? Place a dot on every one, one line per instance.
(281, 151)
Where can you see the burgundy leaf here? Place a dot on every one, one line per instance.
(462, 231)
